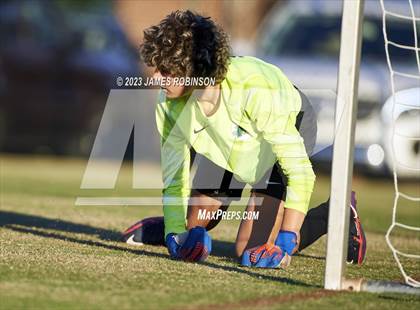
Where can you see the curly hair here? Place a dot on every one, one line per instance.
(187, 44)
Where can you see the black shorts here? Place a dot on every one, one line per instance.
(273, 183)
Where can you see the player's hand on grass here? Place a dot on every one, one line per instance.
(287, 241)
(263, 256)
(197, 246)
(173, 244)
(192, 246)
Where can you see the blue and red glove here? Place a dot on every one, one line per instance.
(195, 248)
(264, 256)
(172, 243)
(286, 241)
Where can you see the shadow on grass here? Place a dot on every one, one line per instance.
(17, 222)
(12, 218)
(223, 249)
(7, 218)
(84, 242)
(310, 256)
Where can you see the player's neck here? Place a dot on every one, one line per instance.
(209, 99)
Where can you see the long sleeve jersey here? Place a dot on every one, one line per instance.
(253, 127)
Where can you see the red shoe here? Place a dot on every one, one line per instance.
(357, 240)
(147, 231)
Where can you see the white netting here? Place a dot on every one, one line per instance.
(395, 108)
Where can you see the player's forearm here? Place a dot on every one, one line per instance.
(174, 211)
(301, 180)
(291, 154)
(175, 199)
(292, 220)
(175, 177)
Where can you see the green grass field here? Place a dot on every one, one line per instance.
(56, 255)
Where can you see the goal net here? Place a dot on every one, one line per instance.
(401, 104)
(403, 101)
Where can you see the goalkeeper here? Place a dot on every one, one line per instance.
(251, 126)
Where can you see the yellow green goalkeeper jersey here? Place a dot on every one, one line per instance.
(253, 127)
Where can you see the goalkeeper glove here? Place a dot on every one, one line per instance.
(193, 246)
(264, 256)
(173, 246)
(286, 241)
(197, 246)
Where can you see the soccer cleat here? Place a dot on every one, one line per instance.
(197, 245)
(147, 231)
(357, 240)
(264, 256)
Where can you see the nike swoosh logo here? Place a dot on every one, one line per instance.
(197, 131)
(132, 242)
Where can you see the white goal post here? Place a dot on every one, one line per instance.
(342, 164)
(345, 121)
